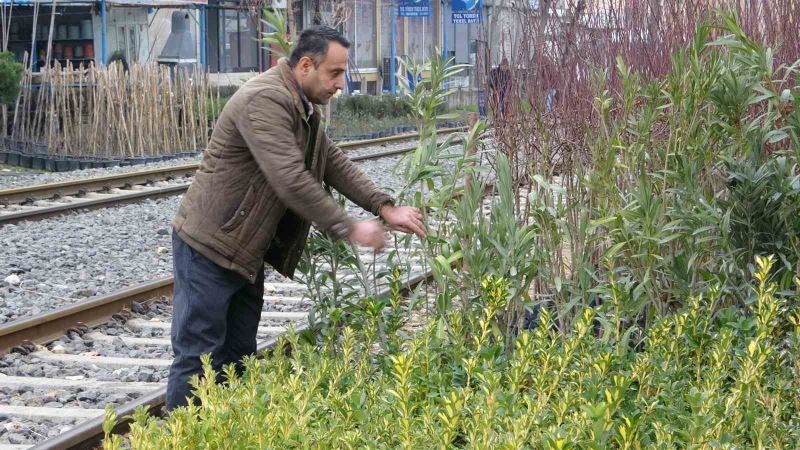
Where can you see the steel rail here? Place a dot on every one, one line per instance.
(78, 187)
(89, 434)
(105, 183)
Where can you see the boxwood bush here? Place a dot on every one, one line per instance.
(698, 380)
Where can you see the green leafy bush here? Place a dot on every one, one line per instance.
(215, 106)
(10, 78)
(764, 210)
(371, 106)
(701, 380)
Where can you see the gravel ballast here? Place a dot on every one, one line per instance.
(30, 178)
(23, 177)
(59, 261)
(63, 260)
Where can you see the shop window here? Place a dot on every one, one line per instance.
(128, 43)
(72, 39)
(420, 39)
(231, 41)
(364, 13)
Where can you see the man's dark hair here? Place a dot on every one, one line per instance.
(314, 43)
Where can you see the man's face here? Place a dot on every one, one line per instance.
(321, 83)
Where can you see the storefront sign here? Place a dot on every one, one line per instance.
(414, 8)
(467, 11)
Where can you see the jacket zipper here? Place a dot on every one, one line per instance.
(291, 251)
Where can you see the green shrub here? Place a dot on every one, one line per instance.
(377, 107)
(764, 210)
(215, 106)
(10, 78)
(701, 380)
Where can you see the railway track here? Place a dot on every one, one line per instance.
(115, 349)
(47, 200)
(123, 337)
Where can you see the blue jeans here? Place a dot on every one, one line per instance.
(214, 310)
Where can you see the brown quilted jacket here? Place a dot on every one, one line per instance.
(259, 185)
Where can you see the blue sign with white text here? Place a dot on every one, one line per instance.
(467, 11)
(414, 8)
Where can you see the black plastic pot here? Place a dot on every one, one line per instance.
(3, 156)
(97, 164)
(138, 161)
(112, 163)
(39, 149)
(37, 162)
(12, 158)
(125, 163)
(26, 161)
(14, 146)
(49, 164)
(86, 164)
(152, 159)
(74, 164)
(62, 165)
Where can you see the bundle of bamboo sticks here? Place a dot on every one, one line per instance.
(106, 112)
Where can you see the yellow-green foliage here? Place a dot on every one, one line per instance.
(699, 380)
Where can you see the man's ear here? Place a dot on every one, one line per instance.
(306, 64)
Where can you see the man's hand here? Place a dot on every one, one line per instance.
(404, 218)
(368, 233)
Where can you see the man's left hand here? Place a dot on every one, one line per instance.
(404, 218)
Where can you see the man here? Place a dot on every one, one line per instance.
(500, 87)
(253, 199)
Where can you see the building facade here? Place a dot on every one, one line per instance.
(226, 34)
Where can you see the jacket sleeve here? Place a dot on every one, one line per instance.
(345, 176)
(267, 127)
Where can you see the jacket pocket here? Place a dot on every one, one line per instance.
(244, 209)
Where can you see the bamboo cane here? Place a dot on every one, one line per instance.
(6, 20)
(50, 34)
(18, 127)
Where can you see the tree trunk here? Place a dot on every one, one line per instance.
(317, 10)
(290, 19)
(654, 22)
(569, 40)
(544, 15)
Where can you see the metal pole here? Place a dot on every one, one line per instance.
(103, 32)
(444, 31)
(393, 51)
(203, 36)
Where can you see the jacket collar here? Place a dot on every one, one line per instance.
(298, 96)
